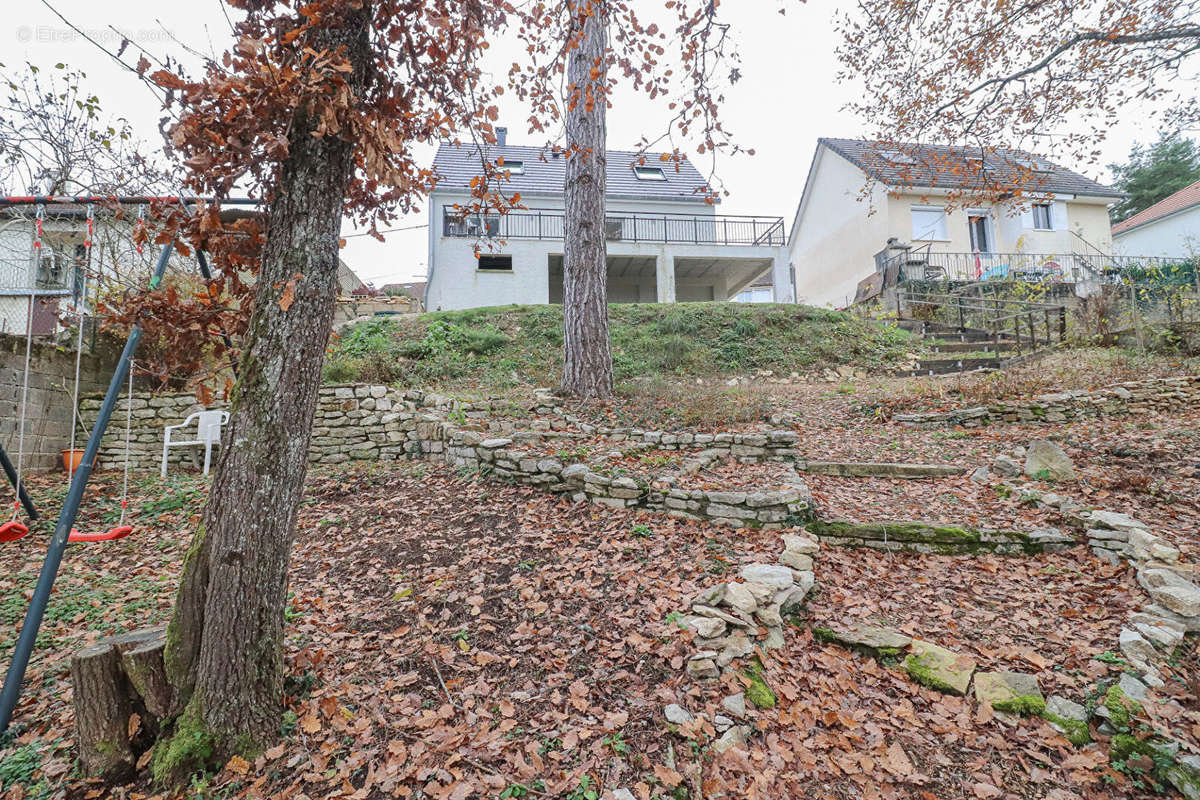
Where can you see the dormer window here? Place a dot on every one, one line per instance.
(515, 167)
(649, 173)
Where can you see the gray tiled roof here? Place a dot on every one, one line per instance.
(544, 173)
(949, 167)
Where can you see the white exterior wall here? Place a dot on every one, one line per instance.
(456, 282)
(1174, 236)
(1012, 225)
(834, 236)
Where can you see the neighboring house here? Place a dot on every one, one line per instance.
(51, 277)
(665, 242)
(1170, 227)
(348, 282)
(55, 279)
(413, 289)
(859, 195)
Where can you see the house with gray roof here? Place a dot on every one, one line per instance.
(665, 242)
(938, 204)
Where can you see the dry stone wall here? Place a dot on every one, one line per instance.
(380, 423)
(1159, 394)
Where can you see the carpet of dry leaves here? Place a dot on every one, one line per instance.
(452, 637)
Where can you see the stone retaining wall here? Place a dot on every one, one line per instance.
(1158, 394)
(380, 423)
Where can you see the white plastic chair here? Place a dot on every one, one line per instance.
(208, 433)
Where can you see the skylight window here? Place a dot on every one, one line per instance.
(1035, 165)
(897, 157)
(515, 167)
(649, 173)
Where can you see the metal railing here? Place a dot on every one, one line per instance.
(1025, 325)
(923, 264)
(620, 227)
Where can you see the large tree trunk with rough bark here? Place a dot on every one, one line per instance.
(587, 359)
(225, 641)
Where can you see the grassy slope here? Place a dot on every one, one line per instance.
(498, 348)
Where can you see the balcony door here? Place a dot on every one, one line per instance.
(980, 226)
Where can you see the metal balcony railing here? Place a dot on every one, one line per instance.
(620, 227)
(920, 263)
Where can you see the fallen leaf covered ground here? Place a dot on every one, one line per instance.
(453, 636)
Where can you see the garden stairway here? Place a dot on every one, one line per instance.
(966, 334)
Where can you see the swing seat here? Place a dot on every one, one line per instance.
(119, 532)
(11, 531)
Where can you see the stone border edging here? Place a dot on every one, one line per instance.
(1155, 394)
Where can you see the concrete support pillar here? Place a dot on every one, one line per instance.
(781, 275)
(664, 273)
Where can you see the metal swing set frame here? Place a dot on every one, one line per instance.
(64, 532)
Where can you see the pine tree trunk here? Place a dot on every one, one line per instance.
(225, 640)
(587, 360)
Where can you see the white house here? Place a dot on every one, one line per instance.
(36, 283)
(1170, 227)
(859, 195)
(665, 243)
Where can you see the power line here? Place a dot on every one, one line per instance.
(389, 230)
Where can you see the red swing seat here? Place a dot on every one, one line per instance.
(119, 532)
(12, 531)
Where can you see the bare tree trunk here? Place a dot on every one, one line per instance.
(225, 640)
(587, 360)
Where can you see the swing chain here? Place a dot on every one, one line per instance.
(139, 229)
(128, 426)
(37, 227)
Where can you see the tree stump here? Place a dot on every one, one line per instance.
(102, 709)
(147, 673)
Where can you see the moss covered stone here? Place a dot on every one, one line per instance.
(869, 639)
(939, 668)
(926, 537)
(758, 691)
(1120, 707)
(1076, 731)
(1025, 706)
(1010, 692)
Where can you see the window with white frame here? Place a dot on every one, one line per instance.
(511, 165)
(758, 294)
(929, 223)
(1043, 219)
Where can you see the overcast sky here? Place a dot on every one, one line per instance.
(788, 97)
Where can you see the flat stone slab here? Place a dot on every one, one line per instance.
(774, 575)
(939, 668)
(1114, 521)
(875, 641)
(853, 469)
(1010, 692)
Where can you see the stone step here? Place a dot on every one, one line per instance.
(973, 346)
(860, 469)
(946, 366)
